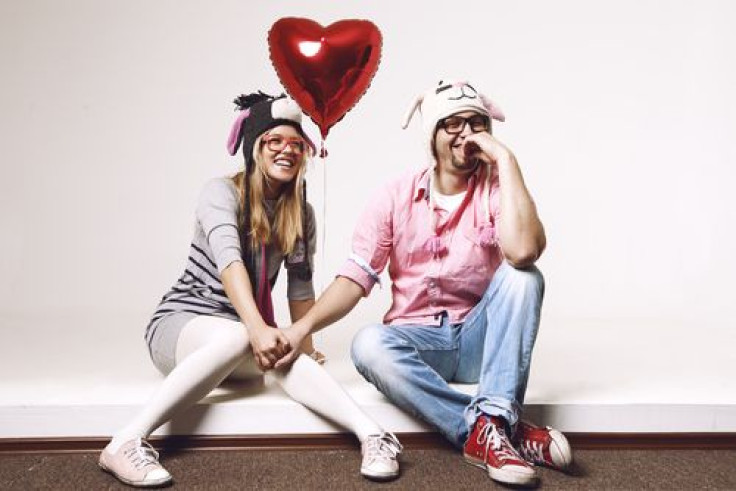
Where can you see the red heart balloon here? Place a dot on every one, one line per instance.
(326, 70)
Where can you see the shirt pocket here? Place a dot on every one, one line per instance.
(415, 252)
(467, 273)
(467, 283)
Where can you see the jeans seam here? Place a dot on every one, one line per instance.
(435, 349)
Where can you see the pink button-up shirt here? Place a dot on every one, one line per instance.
(394, 229)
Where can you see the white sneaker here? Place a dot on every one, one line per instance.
(380, 457)
(135, 463)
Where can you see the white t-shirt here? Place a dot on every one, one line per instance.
(448, 202)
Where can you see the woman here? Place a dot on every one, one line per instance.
(217, 320)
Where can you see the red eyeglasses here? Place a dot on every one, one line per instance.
(277, 143)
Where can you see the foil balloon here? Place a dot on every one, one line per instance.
(325, 69)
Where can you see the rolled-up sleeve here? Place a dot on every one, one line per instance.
(372, 242)
(217, 214)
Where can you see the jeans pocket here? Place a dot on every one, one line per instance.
(426, 338)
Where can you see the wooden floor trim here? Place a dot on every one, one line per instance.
(581, 441)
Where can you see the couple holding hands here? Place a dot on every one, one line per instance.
(459, 237)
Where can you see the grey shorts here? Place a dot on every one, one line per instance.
(165, 337)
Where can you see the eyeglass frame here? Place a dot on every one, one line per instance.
(287, 141)
(465, 121)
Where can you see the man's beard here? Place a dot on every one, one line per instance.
(468, 166)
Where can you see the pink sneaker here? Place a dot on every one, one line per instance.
(135, 463)
(489, 447)
(543, 446)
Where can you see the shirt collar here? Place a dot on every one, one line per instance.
(422, 187)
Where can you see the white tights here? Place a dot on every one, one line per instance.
(209, 350)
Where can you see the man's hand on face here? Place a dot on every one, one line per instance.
(485, 147)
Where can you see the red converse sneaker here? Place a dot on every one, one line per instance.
(489, 447)
(543, 446)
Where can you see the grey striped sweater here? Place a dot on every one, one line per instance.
(215, 245)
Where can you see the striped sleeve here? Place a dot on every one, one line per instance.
(217, 214)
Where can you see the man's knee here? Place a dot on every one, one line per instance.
(367, 347)
(527, 281)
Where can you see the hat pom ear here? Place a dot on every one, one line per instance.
(412, 109)
(244, 101)
(236, 132)
(493, 109)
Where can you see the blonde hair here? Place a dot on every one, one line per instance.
(287, 224)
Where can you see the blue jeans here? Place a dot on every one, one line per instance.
(412, 365)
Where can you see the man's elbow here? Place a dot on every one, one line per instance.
(521, 258)
(520, 262)
(523, 250)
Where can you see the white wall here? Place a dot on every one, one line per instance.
(622, 115)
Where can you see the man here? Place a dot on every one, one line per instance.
(460, 239)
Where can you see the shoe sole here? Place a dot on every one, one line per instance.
(142, 484)
(379, 476)
(562, 448)
(503, 476)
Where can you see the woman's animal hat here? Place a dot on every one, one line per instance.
(259, 113)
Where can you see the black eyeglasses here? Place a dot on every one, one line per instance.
(456, 124)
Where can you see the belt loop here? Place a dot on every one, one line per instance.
(442, 316)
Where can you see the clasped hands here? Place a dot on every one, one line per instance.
(276, 348)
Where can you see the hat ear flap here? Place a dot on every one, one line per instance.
(495, 111)
(412, 109)
(236, 132)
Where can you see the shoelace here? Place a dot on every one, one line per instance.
(385, 446)
(142, 454)
(532, 451)
(496, 440)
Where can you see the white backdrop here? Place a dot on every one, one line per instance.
(622, 115)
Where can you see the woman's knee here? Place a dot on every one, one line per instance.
(234, 341)
(302, 366)
(228, 339)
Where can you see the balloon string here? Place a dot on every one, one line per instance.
(323, 158)
(322, 239)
